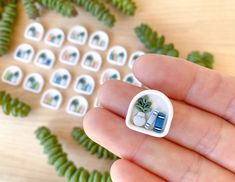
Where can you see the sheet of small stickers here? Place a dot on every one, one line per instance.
(70, 55)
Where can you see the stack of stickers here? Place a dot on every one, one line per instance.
(84, 84)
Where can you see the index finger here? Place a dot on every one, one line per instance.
(182, 80)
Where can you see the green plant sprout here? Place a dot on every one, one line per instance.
(31, 8)
(12, 106)
(64, 7)
(153, 42)
(97, 9)
(63, 166)
(79, 135)
(127, 7)
(6, 26)
(205, 59)
(143, 105)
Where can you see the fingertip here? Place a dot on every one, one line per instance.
(115, 169)
(90, 121)
(104, 90)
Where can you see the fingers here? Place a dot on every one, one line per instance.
(182, 80)
(192, 128)
(124, 171)
(159, 156)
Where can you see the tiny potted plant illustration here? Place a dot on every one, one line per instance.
(42, 58)
(113, 77)
(120, 57)
(27, 54)
(89, 59)
(81, 36)
(81, 83)
(16, 76)
(32, 32)
(143, 105)
(130, 80)
(64, 80)
(74, 104)
(31, 82)
(72, 56)
(96, 40)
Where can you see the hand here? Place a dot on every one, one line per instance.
(201, 143)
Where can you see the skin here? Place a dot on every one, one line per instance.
(200, 144)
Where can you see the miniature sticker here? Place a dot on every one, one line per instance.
(34, 32)
(91, 61)
(69, 55)
(117, 55)
(24, 53)
(54, 37)
(134, 56)
(60, 78)
(84, 84)
(12, 75)
(34, 82)
(77, 106)
(99, 40)
(45, 59)
(51, 99)
(131, 79)
(150, 112)
(109, 74)
(78, 35)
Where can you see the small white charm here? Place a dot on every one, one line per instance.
(34, 82)
(99, 40)
(84, 84)
(69, 55)
(12, 75)
(134, 56)
(131, 79)
(91, 61)
(150, 112)
(60, 78)
(96, 102)
(54, 37)
(51, 99)
(78, 35)
(45, 59)
(24, 53)
(77, 106)
(117, 55)
(34, 32)
(109, 74)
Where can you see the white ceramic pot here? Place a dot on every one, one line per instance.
(139, 119)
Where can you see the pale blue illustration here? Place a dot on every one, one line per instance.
(44, 59)
(84, 85)
(98, 41)
(69, 56)
(61, 79)
(118, 57)
(12, 76)
(109, 74)
(33, 84)
(54, 38)
(24, 53)
(78, 36)
(148, 117)
(32, 32)
(91, 61)
(76, 106)
(51, 100)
